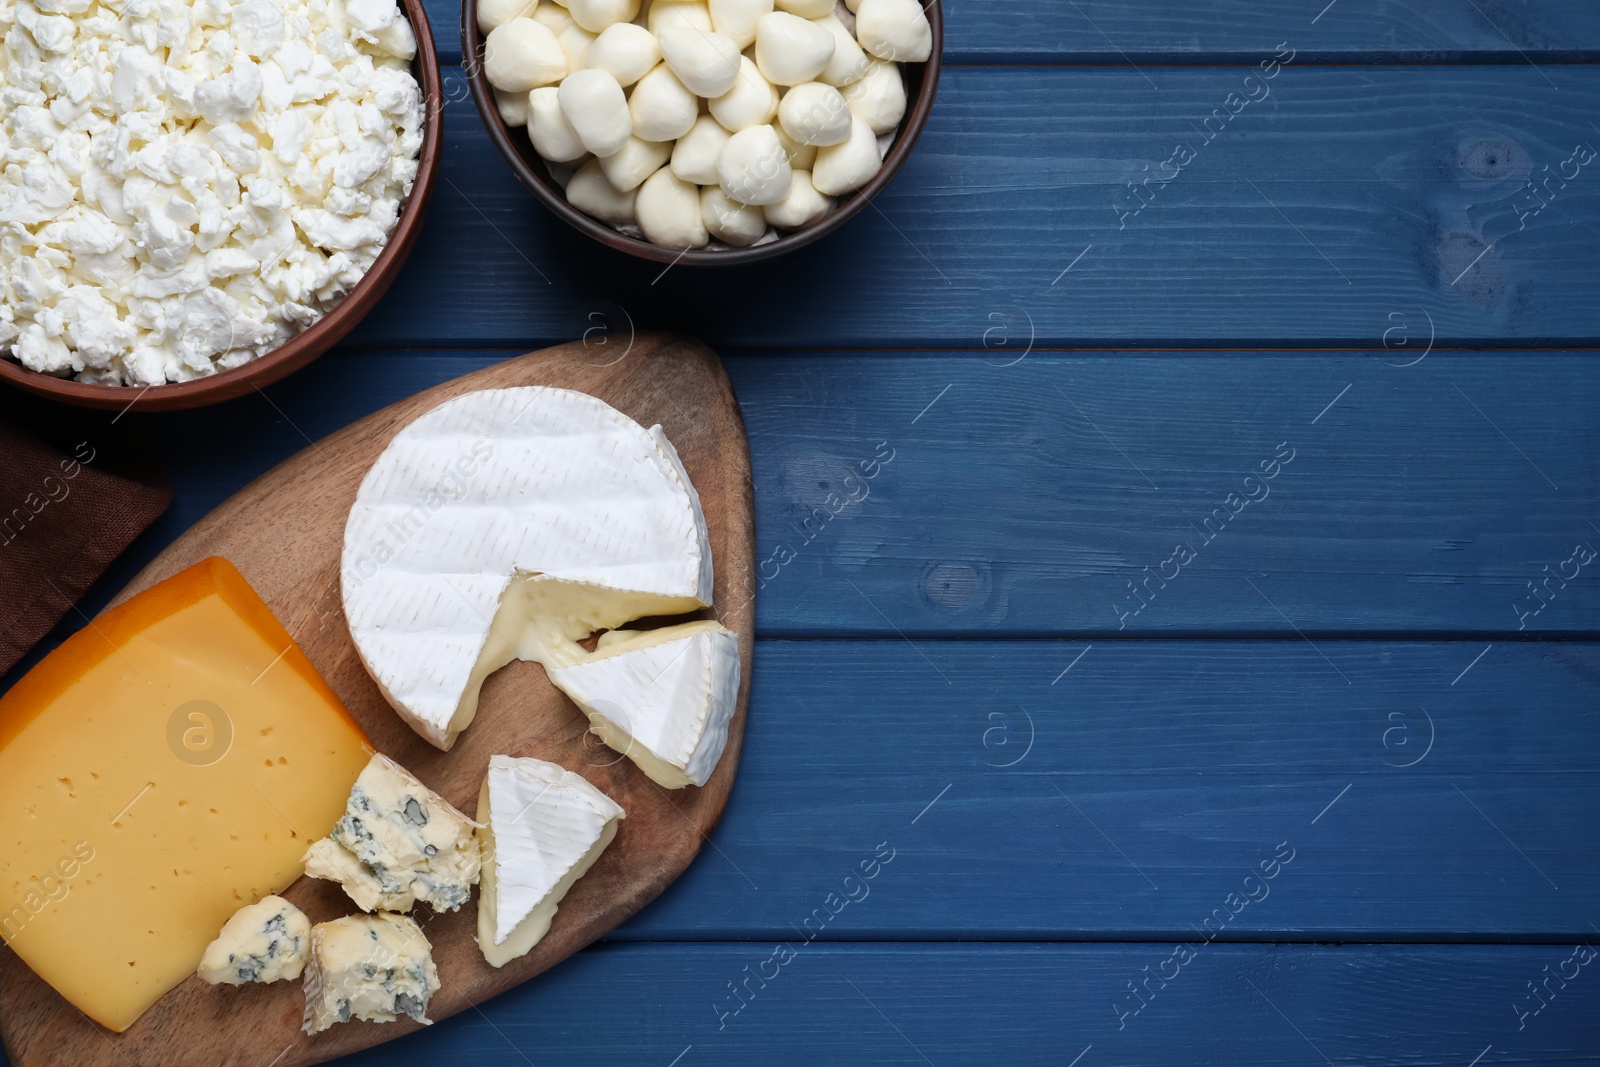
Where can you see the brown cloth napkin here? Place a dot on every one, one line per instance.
(75, 490)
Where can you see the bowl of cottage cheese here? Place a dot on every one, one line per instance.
(198, 197)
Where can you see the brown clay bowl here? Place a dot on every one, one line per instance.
(321, 335)
(922, 82)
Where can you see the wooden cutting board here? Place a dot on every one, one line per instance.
(284, 531)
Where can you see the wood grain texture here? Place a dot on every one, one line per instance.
(1113, 32)
(1015, 504)
(915, 1005)
(1122, 789)
(1344, 196)
(1369, 203)
(285, 531)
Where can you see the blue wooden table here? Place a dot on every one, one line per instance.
(1208, 672)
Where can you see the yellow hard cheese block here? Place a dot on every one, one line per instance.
(164, 767)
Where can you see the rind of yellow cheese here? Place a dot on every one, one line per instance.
(163, 767)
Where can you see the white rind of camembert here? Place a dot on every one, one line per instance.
(398, 842)
(511, 524)
(544, 828)
(370, 967)
(663, 698)
(262, 942)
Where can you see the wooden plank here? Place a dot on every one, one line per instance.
(914, 1004)
(1045, 790)
(1304, 221)
(1016, 501)
(1168, 31)
(1429, 1006)
(1065, 493)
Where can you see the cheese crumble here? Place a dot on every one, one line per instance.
(185, 186)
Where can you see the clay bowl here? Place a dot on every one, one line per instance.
(319, 337)
(922, 82)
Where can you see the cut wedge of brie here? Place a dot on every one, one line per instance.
(507, 524)
(544, 828)
(662, 698)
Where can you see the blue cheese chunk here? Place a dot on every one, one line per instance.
(262, 942)
(399, 842)
(370, 967)
(330, 860)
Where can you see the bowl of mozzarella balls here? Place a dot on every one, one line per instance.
(703, 132)
(197, 197)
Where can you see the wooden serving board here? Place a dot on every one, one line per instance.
(284, 531)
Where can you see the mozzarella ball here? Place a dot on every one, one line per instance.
(807, 9)
(737, 19)
(753, 167)
(844, 168)
(707, 63)
(624, 51)
(853, 5)
(552, 135)
(553, 18)
(596, 15)
(661, 108)
(896, 30)
(803, 206)
(593, 102)
(801, 156)
(751, 102)
(520, 55)
(575, 42)
(814, 114)
(790, 50)
(678, 15)
(513, 107)
(694, 157)
(637, 160)
(590, 193)
(879, 98)
(492, 13)
(849, 62)
(668, 209)
(739, 225)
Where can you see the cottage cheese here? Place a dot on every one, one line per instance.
(186, 185)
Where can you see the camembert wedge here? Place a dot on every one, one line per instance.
(544, 828)
(661, 697)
